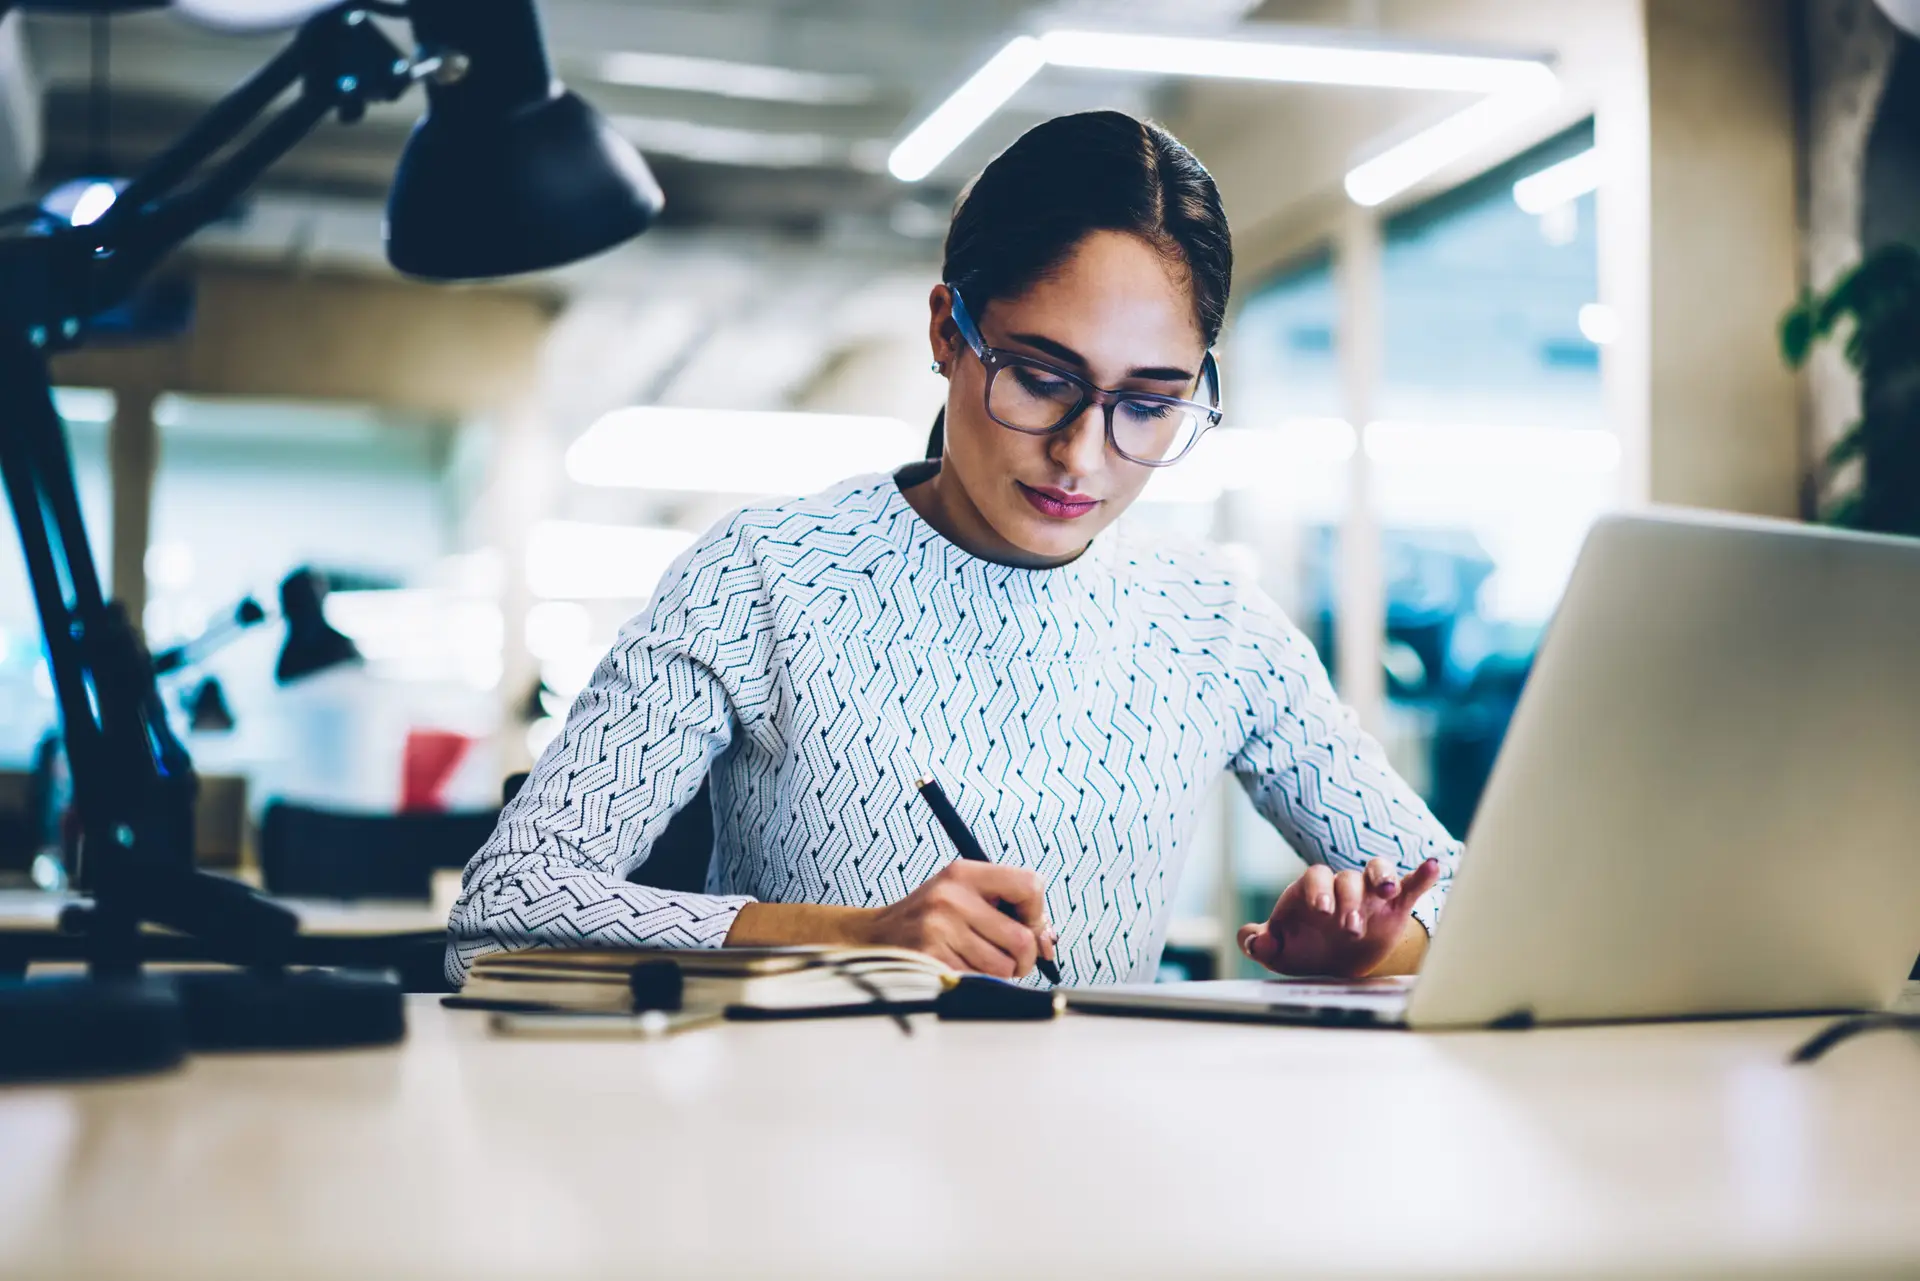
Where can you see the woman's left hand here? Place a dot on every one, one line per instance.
(1346, 924)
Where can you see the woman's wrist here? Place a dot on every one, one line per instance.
(786, 924)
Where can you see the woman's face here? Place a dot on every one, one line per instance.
(1117, 313)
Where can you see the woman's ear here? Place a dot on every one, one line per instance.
(942, 334)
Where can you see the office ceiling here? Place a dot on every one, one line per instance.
(780, 162)
(786, 245)
(804, 159)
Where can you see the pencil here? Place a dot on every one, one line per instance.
(969, 848)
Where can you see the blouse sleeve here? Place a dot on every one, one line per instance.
(1318, 777)
(681, 680)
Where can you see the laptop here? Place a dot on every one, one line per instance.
(1707, 803)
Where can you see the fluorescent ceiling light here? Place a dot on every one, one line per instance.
(1458, 136)
(1286, 62)
(1557, 184)
(570, 560)
(725, 451)
(966, 109)
(722, 145)
(1246, 58)
(731, 79)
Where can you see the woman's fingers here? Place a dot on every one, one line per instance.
(1422, 879)
(1383, 879)
(979, 954)
(1007, 934)
(1261, 944)
(1349, 891)
(1015, 886)
(1316, 888)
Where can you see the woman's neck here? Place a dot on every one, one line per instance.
(942, 501)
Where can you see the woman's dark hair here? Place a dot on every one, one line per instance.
(1071, 176)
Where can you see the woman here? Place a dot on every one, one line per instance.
(978, 618)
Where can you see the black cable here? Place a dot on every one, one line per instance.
(873, 993)
(1848, 1028)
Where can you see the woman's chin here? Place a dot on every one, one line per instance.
(1048, 540)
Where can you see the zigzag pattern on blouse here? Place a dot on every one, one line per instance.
(817, 656)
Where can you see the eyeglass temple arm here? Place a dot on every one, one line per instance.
(963, 321)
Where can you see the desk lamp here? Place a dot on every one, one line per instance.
(507, 172)
(312, 645)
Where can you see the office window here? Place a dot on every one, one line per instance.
(249, 490)
(1492, 456)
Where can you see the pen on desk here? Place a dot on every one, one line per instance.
(956, 830)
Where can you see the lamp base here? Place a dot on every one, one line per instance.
(61, 1029)
(289, 1009)
(71, 1028)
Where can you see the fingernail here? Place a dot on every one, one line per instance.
(1324, 903)
(1389, 888)
(1353, 923)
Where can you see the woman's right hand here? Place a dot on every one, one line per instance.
(956, 918)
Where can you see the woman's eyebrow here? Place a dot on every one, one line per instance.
(1061, 352)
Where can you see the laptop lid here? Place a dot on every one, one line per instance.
(1708, 801)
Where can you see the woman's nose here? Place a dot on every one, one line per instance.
(1080, 448)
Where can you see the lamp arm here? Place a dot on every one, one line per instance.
(134, 784)
(340, 60)
(211, 641)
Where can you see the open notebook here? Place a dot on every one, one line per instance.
(777, 979)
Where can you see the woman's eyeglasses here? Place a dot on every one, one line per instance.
(1030, 395)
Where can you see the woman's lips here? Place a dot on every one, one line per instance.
(1057, 503)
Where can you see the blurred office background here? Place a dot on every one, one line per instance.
(1436, 380)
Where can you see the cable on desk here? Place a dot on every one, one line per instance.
(1848, 1028)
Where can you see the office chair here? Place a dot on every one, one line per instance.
(315, 853)
(680, 857)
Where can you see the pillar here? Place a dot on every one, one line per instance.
(1360, 613)
(133, 461)
(1723, 255)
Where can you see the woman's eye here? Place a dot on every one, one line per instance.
(1037, 383)
(1147, 411)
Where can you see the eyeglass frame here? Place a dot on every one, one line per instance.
(993, 360)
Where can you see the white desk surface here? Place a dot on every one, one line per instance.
(1088, 1147)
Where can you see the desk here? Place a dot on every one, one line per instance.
(1088, 1147)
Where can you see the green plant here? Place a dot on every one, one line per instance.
(1881, 297)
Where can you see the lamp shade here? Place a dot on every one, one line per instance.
(508, 172)
(312, 643)
(207, 710)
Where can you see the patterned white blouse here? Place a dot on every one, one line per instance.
(816, 657)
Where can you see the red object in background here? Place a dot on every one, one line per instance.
(426, 764)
